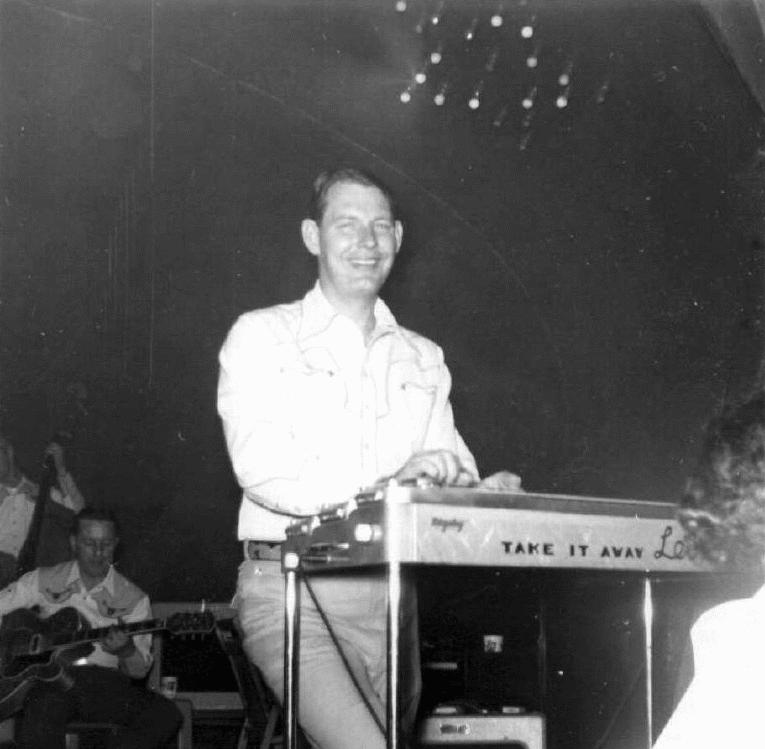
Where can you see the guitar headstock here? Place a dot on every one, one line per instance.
(191, 623)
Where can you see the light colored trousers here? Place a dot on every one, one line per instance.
(331, 712)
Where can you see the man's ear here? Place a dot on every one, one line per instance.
(398, 230)
(310, 231)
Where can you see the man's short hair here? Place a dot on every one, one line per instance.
(100, 514)
(323, 183)
(723, 511)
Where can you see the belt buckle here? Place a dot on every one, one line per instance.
(263, 550)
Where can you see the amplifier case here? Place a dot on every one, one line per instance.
(526, 730)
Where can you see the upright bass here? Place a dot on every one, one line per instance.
(27, 559)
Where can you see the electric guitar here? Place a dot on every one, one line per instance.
(36, 649)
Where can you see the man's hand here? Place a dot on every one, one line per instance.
(55, 451)
(442, 467)
(116, 642)
(502, 481)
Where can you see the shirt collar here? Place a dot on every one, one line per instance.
(107, 583)
(318, 314)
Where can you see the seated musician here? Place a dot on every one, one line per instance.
(17, 502)
(98, 687)
(724, 516)
(319, 398)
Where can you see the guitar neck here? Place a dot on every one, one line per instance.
(96, 633)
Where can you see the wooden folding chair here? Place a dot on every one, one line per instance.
(262, 711)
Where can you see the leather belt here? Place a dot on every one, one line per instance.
(263, 550)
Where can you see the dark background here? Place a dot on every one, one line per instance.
(594, 272)
(595, 277)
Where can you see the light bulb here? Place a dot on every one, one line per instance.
(528, 100)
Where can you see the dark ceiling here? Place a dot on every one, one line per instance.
(593, 270)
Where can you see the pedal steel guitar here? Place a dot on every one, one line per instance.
(395, 524)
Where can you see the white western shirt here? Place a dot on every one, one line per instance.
(112, 601)
(311, 414)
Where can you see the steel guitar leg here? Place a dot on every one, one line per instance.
(291, 647)
(648, 630)
(392, 723)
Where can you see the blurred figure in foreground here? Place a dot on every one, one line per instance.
(724, 516)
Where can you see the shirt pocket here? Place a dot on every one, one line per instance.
(414, 393)
(311, 398)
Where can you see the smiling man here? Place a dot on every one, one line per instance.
(319, 398)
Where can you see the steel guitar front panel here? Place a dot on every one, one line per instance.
(476, 528)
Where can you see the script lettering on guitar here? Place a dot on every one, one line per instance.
(677, 550)
(445, 524)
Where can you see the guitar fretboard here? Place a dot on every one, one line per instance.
(91, 634)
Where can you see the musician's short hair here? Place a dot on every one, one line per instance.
(723, 510)
(322, 184)
(102, 514)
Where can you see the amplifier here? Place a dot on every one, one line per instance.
(523, 731)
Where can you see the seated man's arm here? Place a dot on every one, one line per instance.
(21, 594)
(133, 653)
(69, 495)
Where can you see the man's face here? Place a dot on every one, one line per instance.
(356, 241)
(93, 547)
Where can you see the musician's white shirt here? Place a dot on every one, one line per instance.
(115, 599)
(723, 706)
(312, 414)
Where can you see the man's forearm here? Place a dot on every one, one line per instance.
(69, 495)
(132, 661)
